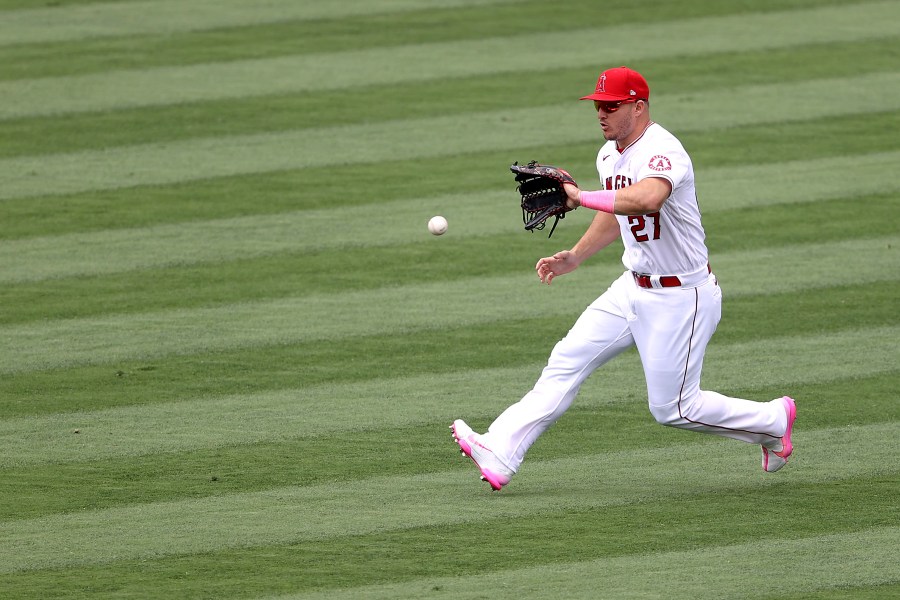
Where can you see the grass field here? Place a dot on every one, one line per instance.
(231, 349)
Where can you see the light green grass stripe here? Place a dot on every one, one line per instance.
(568, 123)
(297, 514)
(808, 266)
(760, 569)
(165, 17)
(405, 401)
(169, 85)
(111, 338)
(401, 221)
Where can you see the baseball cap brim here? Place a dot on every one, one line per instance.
(607, 97)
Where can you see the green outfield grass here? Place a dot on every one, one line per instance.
(232, 350)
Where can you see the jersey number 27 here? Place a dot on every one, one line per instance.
(640, 229)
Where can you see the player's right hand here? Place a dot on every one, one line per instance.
(560, 263)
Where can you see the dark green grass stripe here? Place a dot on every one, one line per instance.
(111, 338)
(417, 100)
(489, 212)
(203, 158)
(864, 559)
(294, 514)
(287, 191)
(361, 268)
(342, 70)
(281, 275)
(67, 30)
(31, 4)
(50, 489)
(846, 592)
(437, 24)
(785, 364)
(787, 511)
(820, 138)
(807, 223)
(490, 345)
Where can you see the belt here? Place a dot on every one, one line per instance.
(659, 281)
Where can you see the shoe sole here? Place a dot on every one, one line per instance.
(465, 449)
(787, 446)
(791, 407)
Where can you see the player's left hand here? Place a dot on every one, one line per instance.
(542, 194)
(573, 196)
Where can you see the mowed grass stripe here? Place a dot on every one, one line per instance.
(194, 33)
(384, 29)
(419, 260)
(519, 343)
(388, 223)
(167, 17)
(838, 562)
(432, 306)
(594, 428)
(295, 514)
(416, 62)
(787, 511)
(311, 411)
(569, 123)
(281, 112)
(471, 173)
(107, 339)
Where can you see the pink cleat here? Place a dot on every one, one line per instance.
(772, 460)
(492, 469)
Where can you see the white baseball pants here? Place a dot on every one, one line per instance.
(670, 328)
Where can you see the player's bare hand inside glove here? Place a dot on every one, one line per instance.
(560, 263)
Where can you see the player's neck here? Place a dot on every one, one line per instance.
(623, 145)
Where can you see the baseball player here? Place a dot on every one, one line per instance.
(667, 303)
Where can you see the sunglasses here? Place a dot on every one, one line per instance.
(612, 106)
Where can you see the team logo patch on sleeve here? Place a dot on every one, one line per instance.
(660, 163)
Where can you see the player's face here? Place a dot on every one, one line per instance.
(617, 119)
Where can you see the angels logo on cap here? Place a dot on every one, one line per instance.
(620, 83)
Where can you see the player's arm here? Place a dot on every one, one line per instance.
(643, 197)
(603, 230)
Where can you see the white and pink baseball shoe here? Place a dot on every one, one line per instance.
(492, 469)
(773, 460)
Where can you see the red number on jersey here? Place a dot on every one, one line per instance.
(639, 225)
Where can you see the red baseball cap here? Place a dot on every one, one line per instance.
(620, 83)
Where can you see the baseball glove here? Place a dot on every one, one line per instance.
(543, 196)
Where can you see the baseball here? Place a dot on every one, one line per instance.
(437, 225)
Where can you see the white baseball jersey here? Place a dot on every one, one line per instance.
(670, 242)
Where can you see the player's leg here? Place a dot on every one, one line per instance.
(600, 333)
(672, 331)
